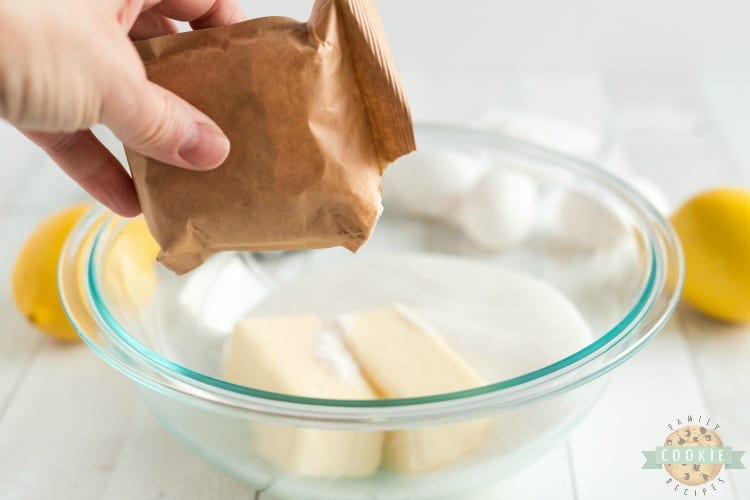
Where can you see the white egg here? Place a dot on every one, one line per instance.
(588, 222)
(430, 182)
(500, 211)
(652, 193)
(616, 268)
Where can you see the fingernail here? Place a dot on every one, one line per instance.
(204, 146)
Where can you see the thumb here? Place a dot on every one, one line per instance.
(156, 123)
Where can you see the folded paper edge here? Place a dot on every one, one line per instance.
(382, 92)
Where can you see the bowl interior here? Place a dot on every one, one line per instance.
(589, 237)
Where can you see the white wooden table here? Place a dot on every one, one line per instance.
(72, 428)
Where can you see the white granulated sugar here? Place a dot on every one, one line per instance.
(380, 209)
(220, 292)
(331, 351)
(502, 323)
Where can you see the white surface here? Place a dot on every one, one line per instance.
(483, 35)
(71, 427)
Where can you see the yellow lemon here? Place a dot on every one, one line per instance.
(714, 228)
(128, 276)
(34, 279)
(129, 267)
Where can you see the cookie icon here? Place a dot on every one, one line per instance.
(693, 474)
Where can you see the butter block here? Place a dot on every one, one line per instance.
(401, 357)
(294, 355)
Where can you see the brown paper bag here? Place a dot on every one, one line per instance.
(314, 113)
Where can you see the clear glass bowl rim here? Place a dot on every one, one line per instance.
(159, 373)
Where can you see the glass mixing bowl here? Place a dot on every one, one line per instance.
(593, 238)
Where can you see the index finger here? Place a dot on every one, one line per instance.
(202, 13)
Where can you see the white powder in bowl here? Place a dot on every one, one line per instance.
(331, 351)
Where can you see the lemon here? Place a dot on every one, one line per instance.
(128, 277)
(129, 268)
(34, 278)
(714, 228)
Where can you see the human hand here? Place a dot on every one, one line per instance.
(66, 65)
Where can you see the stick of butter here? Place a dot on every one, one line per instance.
(402, 358)
(294, 355)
